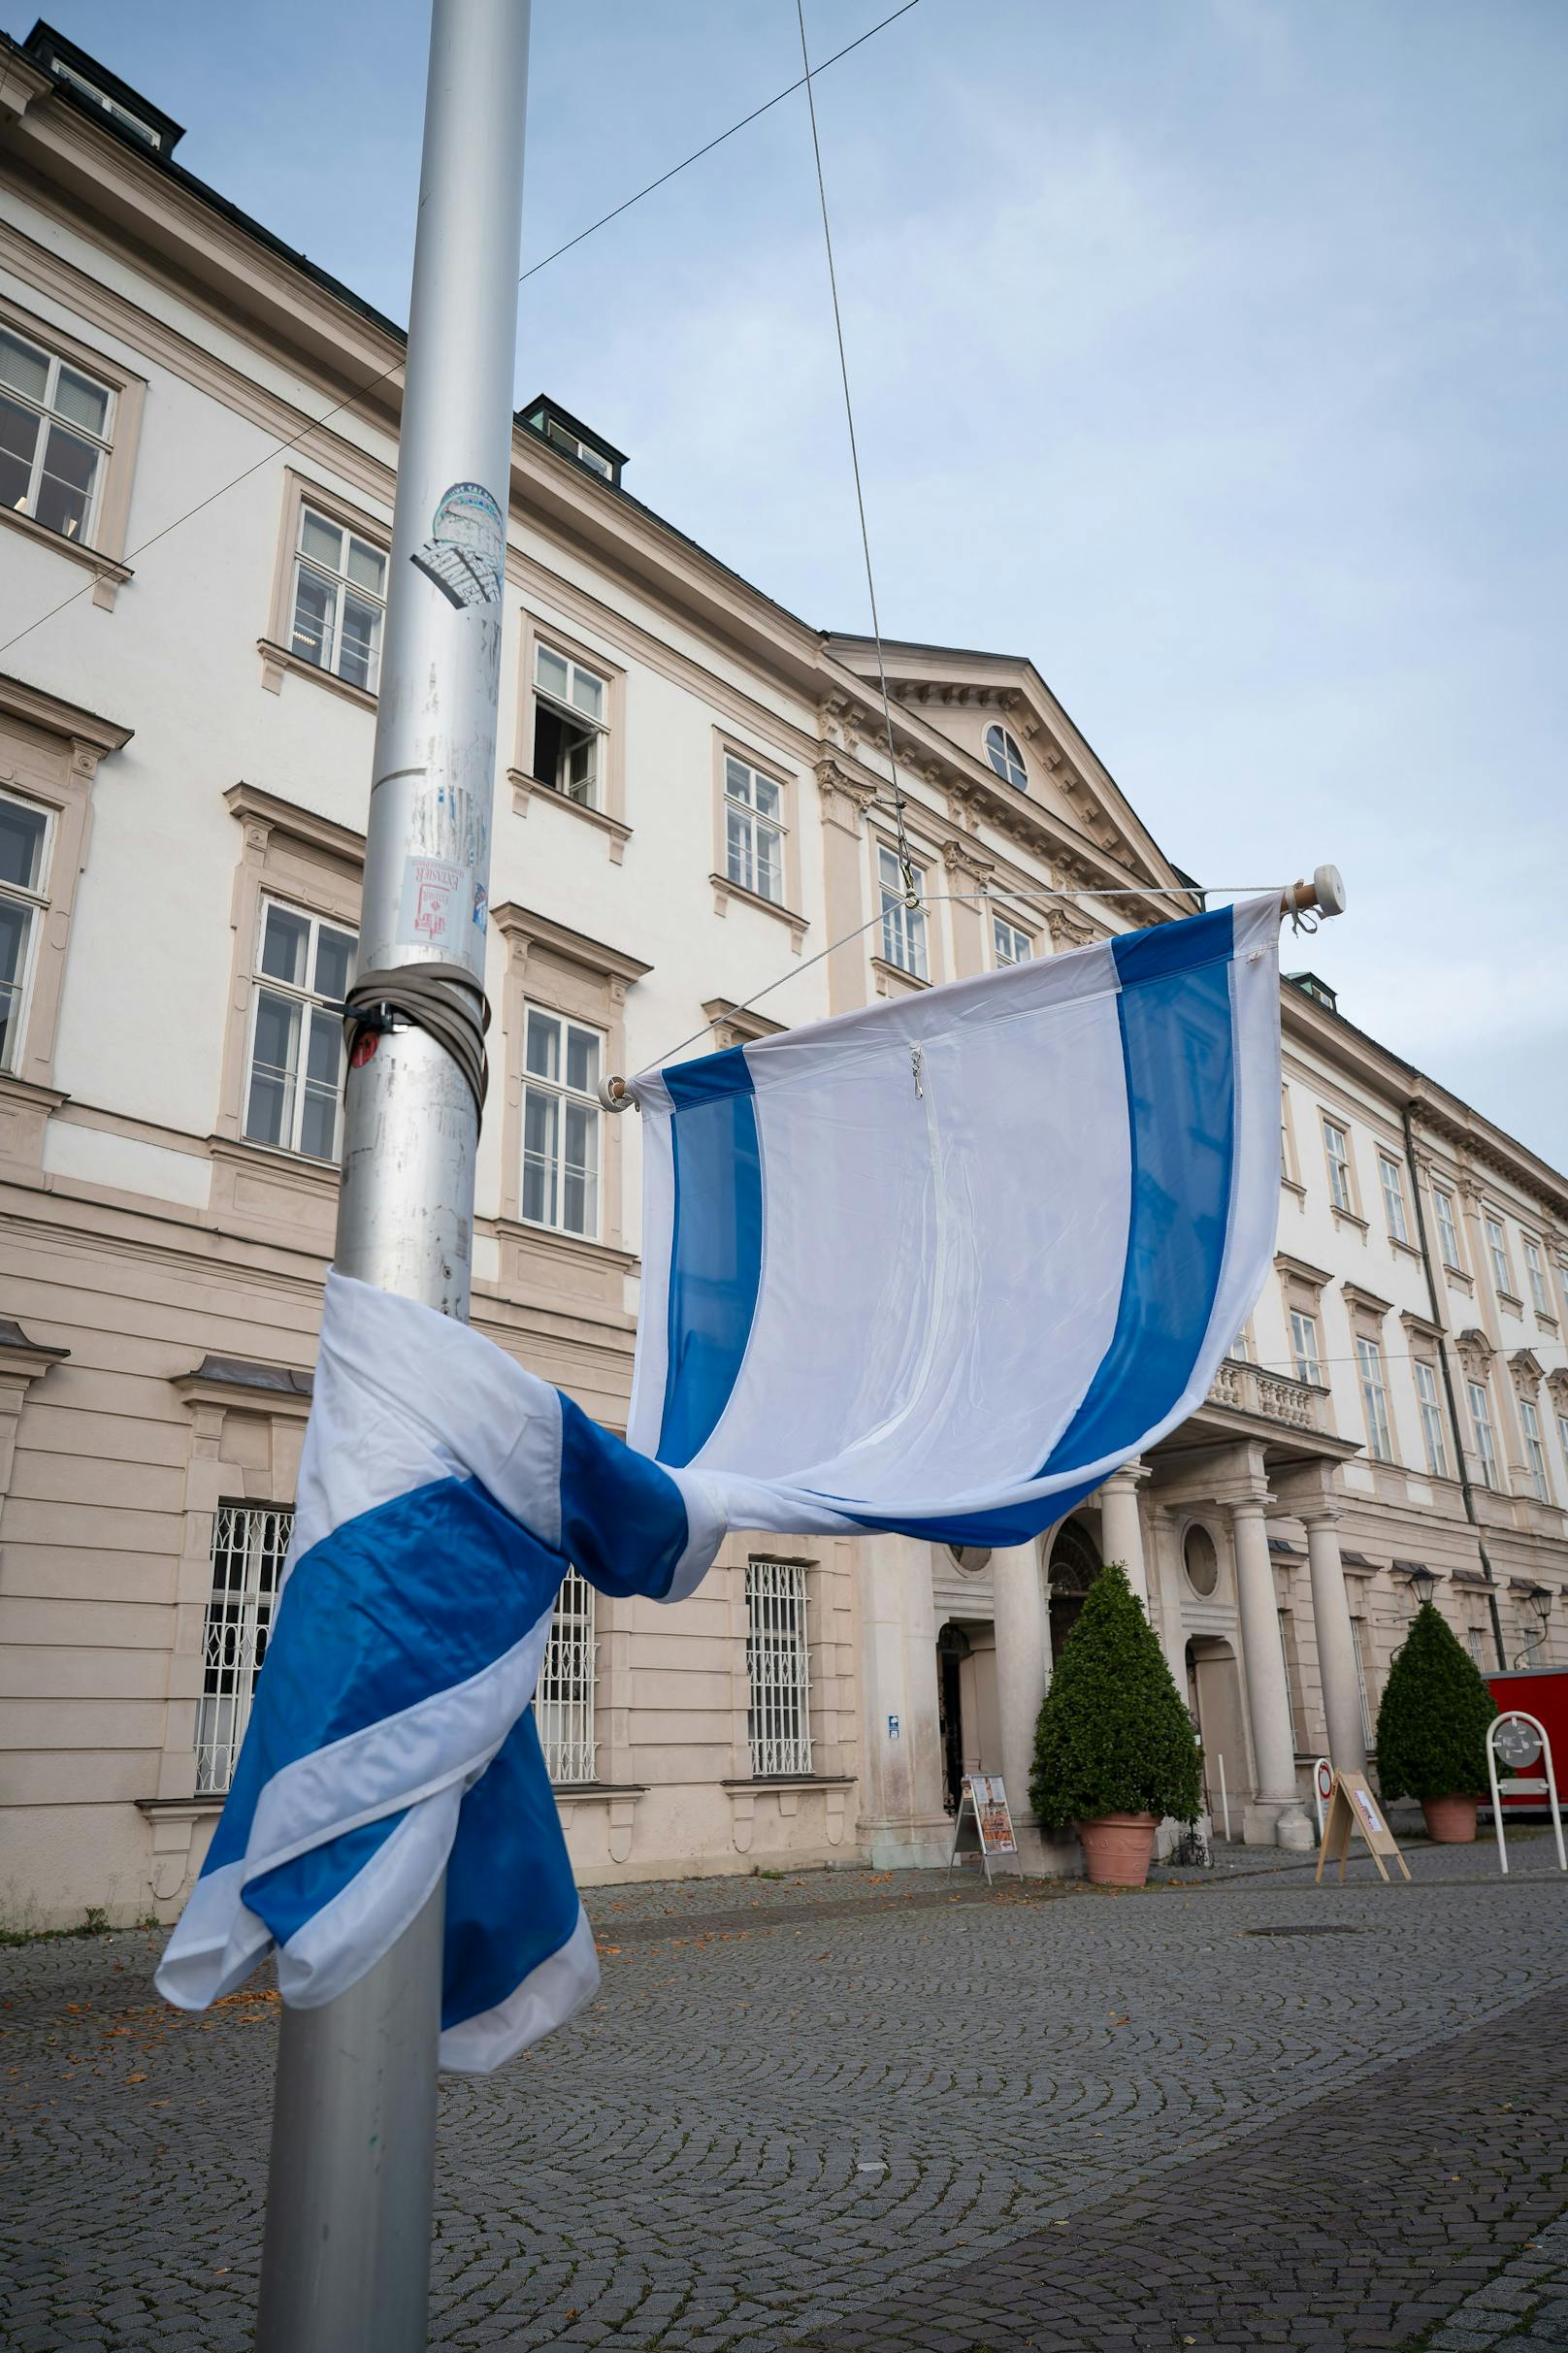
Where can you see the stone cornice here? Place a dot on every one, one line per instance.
(249, 803)
(523, 926)
(38, 708)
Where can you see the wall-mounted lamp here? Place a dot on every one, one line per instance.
(1423, 1581)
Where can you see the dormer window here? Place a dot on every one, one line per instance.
(97, 87)
(573, 438)
(1311, 986)
(1004, 755)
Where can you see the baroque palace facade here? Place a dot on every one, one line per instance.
(688, 804)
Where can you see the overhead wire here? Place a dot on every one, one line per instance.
(906, 863)
(363, 391)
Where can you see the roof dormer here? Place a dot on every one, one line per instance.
(573, 438)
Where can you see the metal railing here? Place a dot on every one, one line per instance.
(778, 1667)
(248, 1546)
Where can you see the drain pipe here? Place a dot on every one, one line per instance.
(1443, 1359)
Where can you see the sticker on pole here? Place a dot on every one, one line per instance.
(434, 904)
(466, 551)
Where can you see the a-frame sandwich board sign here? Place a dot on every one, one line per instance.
(1352, 1805)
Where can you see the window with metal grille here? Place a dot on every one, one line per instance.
(778, 1667)
(564, 1703)
(248, 1544)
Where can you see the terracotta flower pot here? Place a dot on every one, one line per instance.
(1451, 1822)
(1117, 1848)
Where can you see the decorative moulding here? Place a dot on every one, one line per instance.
(278, 659)
(724, 890)
(524, 788)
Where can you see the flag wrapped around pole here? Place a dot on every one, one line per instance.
(940, 1266)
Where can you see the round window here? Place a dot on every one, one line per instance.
(1200, 1561)
(1004, 755)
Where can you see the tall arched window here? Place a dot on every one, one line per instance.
(1006, 756)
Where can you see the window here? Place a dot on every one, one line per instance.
(1474, 1636)
(583, 451)
(1304, 1346)
(1012, 946)
(1562, 1436)
(24, 842)
(1393, 1198)
(1448, 1237)
(1497, 1251)
(561, 1061)
(1535, 1454)
(903, 927)
(248, 1546)
(339, 601)
(1535, 1270)
(1431, 1420)
(1005, 758)
(1361, 1646)
(778, 1667)
(753, 829)
(54, 438)
(1374, 1397)
(564, 1703)
(1339, 1167)
(296, 1037)
(1241, 1348)
(569, 727)
(1481, 1425)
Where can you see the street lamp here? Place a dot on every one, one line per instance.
(1422, 1583)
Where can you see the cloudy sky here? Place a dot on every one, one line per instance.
(1211, 353)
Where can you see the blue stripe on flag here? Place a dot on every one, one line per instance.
(389, 1609)
(716, 1246)
(511, 1897)
(292, 1895)
(606, 1492)
(1177, 1051)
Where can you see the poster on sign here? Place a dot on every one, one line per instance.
(984, 1823)
(1351, 1807)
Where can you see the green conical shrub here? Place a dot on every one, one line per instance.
(1113, 1735)
(1432, 1722)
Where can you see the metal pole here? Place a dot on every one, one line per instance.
(346, 2262)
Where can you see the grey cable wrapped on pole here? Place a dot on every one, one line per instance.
(445, 999)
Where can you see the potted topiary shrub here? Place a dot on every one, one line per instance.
(1432, 1729)
(1114, 1748)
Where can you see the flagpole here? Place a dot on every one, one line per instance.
(346, 2262)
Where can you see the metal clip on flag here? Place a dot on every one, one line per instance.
(950, 1310)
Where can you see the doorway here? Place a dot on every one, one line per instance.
(1075, 1563)
(1214, 1699)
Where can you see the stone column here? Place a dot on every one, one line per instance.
(1274, 1813)
(1336, 1640)
(901, 1812)
(1023, 1623)
(1122, 1528)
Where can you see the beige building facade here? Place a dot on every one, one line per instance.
(690, 807)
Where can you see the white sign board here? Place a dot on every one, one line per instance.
(983, 1821)
(1519, 1740)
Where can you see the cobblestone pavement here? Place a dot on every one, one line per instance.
(875, 2109)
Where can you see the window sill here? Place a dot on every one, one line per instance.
(244, 1148)
(111, 574)
(790, 1781)
(891, 980)
(1409, 1248)
(182, 1809)
(275, 659)
(1348, 1217)
(1457, 1274)
(580, 1793)
(724, 890)
(568, 1245)
(616, 832)
(1545, 1323)
(1291, 1184)
(1514, 1305)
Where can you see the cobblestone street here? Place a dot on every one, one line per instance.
(858, 2109)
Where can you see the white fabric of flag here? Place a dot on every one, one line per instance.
(940, 1266)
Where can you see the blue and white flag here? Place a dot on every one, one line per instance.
(940, 1266)
(944, 1265)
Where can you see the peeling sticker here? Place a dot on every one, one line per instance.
(466, 550)
(481, 901)
(434, 899)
